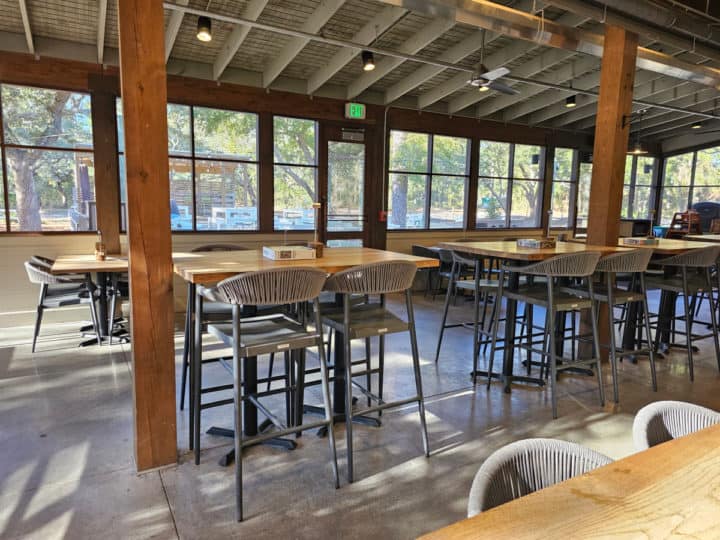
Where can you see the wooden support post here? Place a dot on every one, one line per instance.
(617, 76)
(107, 189)
(144, 94)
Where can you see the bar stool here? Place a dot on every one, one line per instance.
(635, 263)
(374, 320)
(695, 278)
(212, 312)
(481, 288)
(268, 334)
(555, 299)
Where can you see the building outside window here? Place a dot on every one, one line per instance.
(48, 181)
(295, 142)
(688, 179)
(510, 185)
(428, 179)
(213, 168)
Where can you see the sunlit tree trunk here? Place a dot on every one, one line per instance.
(28, 202)
(399, 199)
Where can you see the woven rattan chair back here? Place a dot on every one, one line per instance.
(695, 258)
(274, 286)
(39, 274)
(663, 421)
(570, 265)
(633, 261)
(523, 467)
(375, 278)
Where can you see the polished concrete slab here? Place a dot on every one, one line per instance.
(66, 468)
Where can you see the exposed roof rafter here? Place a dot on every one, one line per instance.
(237, 36)
(366, 35)
(26, 26)
(292, 48)
(173, 27)
(102, 17)
(412, 45)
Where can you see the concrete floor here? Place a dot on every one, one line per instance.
(66, 467)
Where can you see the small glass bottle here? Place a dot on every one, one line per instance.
(100, 251)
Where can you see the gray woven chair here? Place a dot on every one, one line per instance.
(664, 421)
(554, 299)
(482, 288)
(374, 320)
(266, 334)
(59, 292)
(635, 263)
(526, 466)
(430, 273)
(694, 279)
(212, 312)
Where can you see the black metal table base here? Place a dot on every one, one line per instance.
(340, 417)
(229, 458)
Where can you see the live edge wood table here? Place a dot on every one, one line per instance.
(87, 264)
(668, 491)
(509, 251)
(208, 268)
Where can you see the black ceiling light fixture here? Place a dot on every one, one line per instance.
(204, 29)
(638, 149)
(368, 61)
(204, 26)
(696, 125)
(570, 102)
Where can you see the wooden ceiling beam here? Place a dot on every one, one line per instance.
(26, 26)
(366, 35)
(237, 36)
(292, 48)
(173, 27)
(412, 45)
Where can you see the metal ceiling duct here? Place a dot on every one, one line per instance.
(521, 25)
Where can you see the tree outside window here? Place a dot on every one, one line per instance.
(47, 140)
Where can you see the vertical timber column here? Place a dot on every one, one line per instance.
(107, 189)
(617, 76)
(144, 95)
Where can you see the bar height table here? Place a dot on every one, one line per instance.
(208, 268)
(509, 251)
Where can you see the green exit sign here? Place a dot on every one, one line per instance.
(355, 111)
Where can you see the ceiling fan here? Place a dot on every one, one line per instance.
(485, 79)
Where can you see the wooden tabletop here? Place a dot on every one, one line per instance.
(670, 490)
(81, 264)
(703, 237)
(215, 266)
(670, 246)
(510, 249)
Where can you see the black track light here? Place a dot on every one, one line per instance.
(570, 102)
(204, 28)
(368, 61)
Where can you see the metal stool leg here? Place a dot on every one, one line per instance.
(646, 317)
(448, 297)
(416, 369)
(611, 323)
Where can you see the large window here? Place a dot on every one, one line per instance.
(428, 177)
(295, 172)
(510, 185)
(49, 181)
(638, 190)
(213, 168)
(564, 187)
(583, 196)
(689, 178)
